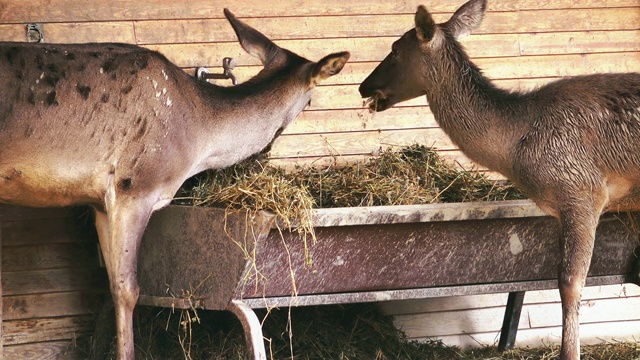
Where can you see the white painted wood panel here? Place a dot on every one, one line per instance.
(608, 313)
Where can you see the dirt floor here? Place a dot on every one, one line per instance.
(341, 332)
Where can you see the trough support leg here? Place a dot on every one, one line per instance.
(252, 328)
(511, 320)
(635, 277)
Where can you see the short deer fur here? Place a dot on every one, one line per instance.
(573, 145)
(120, 128)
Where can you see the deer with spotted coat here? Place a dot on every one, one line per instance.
(120, 128)
(572, 145)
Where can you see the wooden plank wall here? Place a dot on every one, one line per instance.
(608, 313)
(520, 45)
(51, 281)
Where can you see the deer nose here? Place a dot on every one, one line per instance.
(365, 90)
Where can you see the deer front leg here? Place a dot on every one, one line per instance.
(120, 232)
(578, 227)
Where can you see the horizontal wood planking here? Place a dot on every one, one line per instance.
(52, 350)
(48, 231)
(53, 280)
(533, 316)
(107, 10)
(76, 33)
(49, 256)
(462, 320)
(504, 36)
(518, 43)
(375, 49)
(22, 307)
(595, 333)
(361, 142)
(394, 25)
(19, 213)
(52, 285)
(403, 307)
(323, 27)
(46, 329)
(519, 67)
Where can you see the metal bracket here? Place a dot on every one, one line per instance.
(35, 33)
(227, 64)
(252, 328)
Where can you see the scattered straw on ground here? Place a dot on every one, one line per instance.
(340, 332)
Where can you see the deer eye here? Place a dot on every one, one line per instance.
(394, 50)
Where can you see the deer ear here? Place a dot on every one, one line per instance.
(425, 26)
(329, 66)
(467, 18)
(253, 41)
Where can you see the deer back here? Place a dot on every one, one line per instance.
(75, 118)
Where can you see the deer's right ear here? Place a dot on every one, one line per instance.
(425, 26)
(253, 41)
(329, 66)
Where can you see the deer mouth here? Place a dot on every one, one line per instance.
(378, 102)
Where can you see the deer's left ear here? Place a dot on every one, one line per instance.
(425, 26)
(254, 42)
(329, 66)
(467, 18)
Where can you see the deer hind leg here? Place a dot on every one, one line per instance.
(578, 221)
(120, 232)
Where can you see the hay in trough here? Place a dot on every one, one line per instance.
(411, 175)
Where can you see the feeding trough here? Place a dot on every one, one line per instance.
(202, 257)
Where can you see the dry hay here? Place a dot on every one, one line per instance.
(412, 175)
(340, 332)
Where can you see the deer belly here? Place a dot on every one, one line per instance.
(624, 194)
(39, 188)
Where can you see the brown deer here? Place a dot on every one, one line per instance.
(119, 128)
(572, 145)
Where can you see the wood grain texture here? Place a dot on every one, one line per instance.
(43, 305)
(51, 350)
(54, 280)
(394, 25)
(107, 10)
(534, 316)
(51, 280)
(607, 313)
(46, 329)
(595, 333)
(49, 256)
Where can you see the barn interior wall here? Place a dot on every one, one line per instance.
(49, 280)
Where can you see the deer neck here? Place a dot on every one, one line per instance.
(473, 112)
(243, 120)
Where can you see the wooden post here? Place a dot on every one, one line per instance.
(511, 320)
